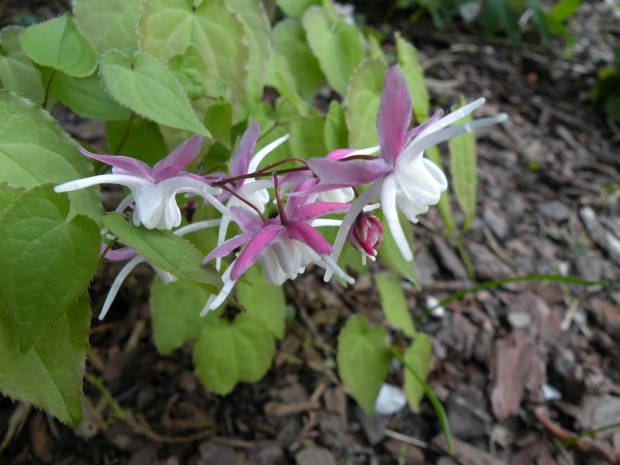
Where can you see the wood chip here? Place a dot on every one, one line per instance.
(466, 454)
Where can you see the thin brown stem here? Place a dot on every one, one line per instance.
(253, 207)
(283, 217)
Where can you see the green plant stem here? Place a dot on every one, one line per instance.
(500, 282)
(126, 135)
(114, 406)
(47, 89)
(439, 411)
(465, 258)
(577, 437)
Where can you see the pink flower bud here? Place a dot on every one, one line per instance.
(365, 234)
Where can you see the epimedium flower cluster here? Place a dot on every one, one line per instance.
(283, 234)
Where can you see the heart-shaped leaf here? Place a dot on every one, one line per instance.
(57, 43)
(418, 356)
(410, 68)
(307, 137)
(109, 24)
(262, 299)
(362, 102)
(165, 250)
(296, 8)
(175, 313)
(142, 140)
(363, 359)
(225, 353)
(190, 69)
(50, 375)
(35, 150)
(394, 303)
(150, 89)
(46, 262)
(336, 135)
(338, 46)
(167, 27)
(17, 72)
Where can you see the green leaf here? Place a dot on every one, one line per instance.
(85, 96)
(389, 253)
(167, 27)
(363, 359)
(394, 303)
(445, 210)
(307, 137)
(109, 24)
(463, 162)
(564, 8)
(262, 299)
(290, 41)
(35, 150)
(50, 375)
(190, 69)
(150, 89)
(280, 77)
(258, 36)
(418, 356)
(336, 135)
(409, 66)
(339, 46)
(165, 250)
(17, 73)
(175, 313)
(228, 353)
(218, 120)
(45, 261)
(296, 8)
(143, 141)
(362, 102)
(496, 12)
(8, 195)
(58, 44)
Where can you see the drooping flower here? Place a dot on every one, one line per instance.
(284, 245)
(366, 234)
(400, 175)
(153, 190)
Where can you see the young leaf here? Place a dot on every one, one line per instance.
(150, 89)
(418, 356)
(142, 140)
(280, 77)
(46, 262)
(362, 102)
(339, 46)
(363, 359)
(109, 24)
(262, 299)
(389, 253)
(290, 41)
(463, 161)
(57, 43)
(414, 75)
(228, 353)
(307, 137)
(218, 119)
(394, 303)
(167, 27)
(564, 8)
(50, 375)
(190, 69)
(175, 313)
(35, 150)
(17, 72)
(85, 96)
(296, 8)
(336, 135)
(165, 250)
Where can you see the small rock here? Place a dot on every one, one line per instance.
(600, 411)
(211, 452)
(519, 320)
(373, 427)
(425, 267)
(590, 266)
(496, 222)
(391, 399)
(554, 210)
(314, 455)
(467, 414)
(268, 454)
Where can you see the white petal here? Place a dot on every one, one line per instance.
(262, 153)
(213, 303)
(388, 204)
(197, 226)
(116, 285)
(325, 222)
(368, 151)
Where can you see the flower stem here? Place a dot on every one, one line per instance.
(283, 217)
(47, 89)
(253, 207)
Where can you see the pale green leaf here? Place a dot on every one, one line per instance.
(394, 303)
(175, 313)
(8, 195)
(57, 43)
(109, 24)
(50, 375)
(85, 96)
(17, 72)
(226, 353)
(218, 119)
(389, 254)
(280, 77)
(307, 137)
(150, 89)
(336, 135)
(290, 41)
(339, 47)
(262, 299)
(165, 250)
(190, 69)
(418, 357)
(142, 140)
(167, 27)
(35, 150)
(46, 262)
(463, 162)
(296, 8)
(409, 66)
(362, 102)
(363, 359)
